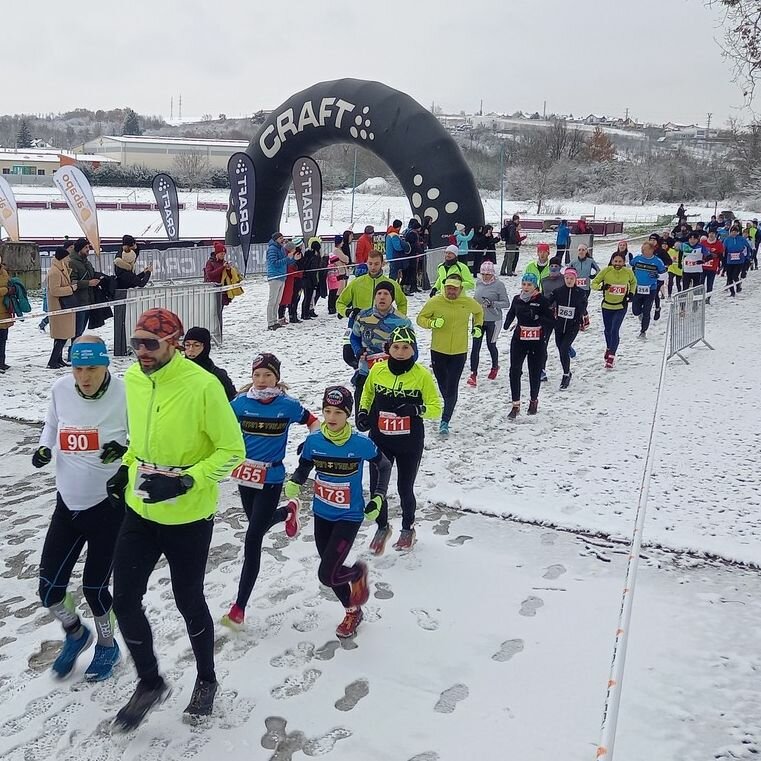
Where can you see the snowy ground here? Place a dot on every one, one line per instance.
(691, 691)
(336, 213)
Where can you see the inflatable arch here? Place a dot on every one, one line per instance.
(414, 144)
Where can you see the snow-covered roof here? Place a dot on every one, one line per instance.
(39, 157)
(159, 140)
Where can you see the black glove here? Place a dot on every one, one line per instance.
(340, 316)
(362, 421)
(349, 357)
(161, 487)
(409, 410)
(112, 451)
(432, 293)
(116, 485)
(41, 457)
(300, 448)
(354, 314)
(605, 287)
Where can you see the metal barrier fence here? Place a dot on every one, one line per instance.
(687, 321)
(200, 306)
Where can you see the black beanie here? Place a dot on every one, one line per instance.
(340, 397)
(199, 334)
(385, 285)
(268, 362)
(60, 253)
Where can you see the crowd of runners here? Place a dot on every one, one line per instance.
(138, 460)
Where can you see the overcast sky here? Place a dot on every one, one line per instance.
(659, 58)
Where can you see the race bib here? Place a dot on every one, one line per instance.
(530, 334)
(582, 282)
(371, 359)
(693, 262)
(78, 440)
(566, 313)
(250, 473)
(617, 290)
(334, 495)
(643, 290)
(392, 425)
(735, 257)
(147, 470)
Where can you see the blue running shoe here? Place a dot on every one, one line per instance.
(103, 663)
(543, 376)
(72, 647)
(572, 353)
(444, 428)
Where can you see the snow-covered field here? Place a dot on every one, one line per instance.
(493, 638)
(336, 213)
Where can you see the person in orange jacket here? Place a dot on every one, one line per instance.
(364, 245)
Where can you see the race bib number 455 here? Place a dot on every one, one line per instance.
(78, 440)
(335, 495)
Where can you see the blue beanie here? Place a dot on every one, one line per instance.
(530, 277)
(88, 354)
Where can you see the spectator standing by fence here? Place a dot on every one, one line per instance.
(60, 289)
(511, 235)
(563, 241)
(124, 269)
(364, 245)
(277, 268)
(83, 275)
(6, 289)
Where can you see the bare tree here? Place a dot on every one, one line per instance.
(742, 40)
(192, 167)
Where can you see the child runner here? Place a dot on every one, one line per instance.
(492, 296)
(617, 282)
(338, 456)
(534, 319)
(712, 262)
(398, 394)
(265, 413)
(570, 306)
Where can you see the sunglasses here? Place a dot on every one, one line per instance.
(151, 344)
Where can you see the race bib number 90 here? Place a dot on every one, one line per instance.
(78, 440)
(530, 334)
(334, 495)
(393, 425)
(250, 473)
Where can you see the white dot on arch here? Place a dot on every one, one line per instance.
(451, 207)
(418, 179)
(432, 213)
(433, 193)
(417, 199)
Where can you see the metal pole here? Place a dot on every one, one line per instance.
(502, 184)
(353, 188)
(287, 206)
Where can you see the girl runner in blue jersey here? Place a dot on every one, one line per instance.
(265, 413)
(338, 456)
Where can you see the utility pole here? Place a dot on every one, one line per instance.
(501, 182)
(180, 115)
(627, 115)
(353, 187)
(481, 112)
(708, 131)
(544, 110)
(171, 109)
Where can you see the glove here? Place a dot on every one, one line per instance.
(116, 485)
(41, 457)
(409, 410)
(432, 293)
(112, 451)
(362, 421)
(161, 487)
(373, 508)
(585, 322)
(300, 449)
(605, 287)
(436, 322)
(340, 316)
(292, 490)
(477, 331)
(349, 358)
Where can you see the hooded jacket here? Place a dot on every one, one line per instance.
(569, 306)
(360, 293)
(493, 298)
(277, 261)
(203, 336)
(585, 268)
(455, 267)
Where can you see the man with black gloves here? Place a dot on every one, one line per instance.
(86, 427)
(184, 439)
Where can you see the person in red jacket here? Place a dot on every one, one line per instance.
(289, 289)
(215, 268)
(713, 257)
(364, 245)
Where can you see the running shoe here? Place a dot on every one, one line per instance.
(360, 589)
(143, 701)
(609, 360)
(72, 648)
(473, 380)
(572, 352)
(657, 315)
(493, 373)
(234, 619)
(543, 376)
(103, 663)
(202, 699)
(348, 627)
(444, 428)
(566, 381)
(292, 522)
(533, 406)
(406, 540)
(514, 412)
(379, 541)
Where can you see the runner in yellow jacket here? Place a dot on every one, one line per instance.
(184, 439)
(449, 315)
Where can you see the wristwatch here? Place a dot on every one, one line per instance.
(187, 481)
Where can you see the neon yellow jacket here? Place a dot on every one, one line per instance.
(179, 417)
(384, 392)
(623, 279)
(452, 338)
(445, 269)
(360, 294)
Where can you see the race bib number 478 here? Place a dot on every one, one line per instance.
(78, 440)
(336, 495)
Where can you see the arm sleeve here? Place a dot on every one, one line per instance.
(400, 298)
(355, 338)
(632, 283)
(478, 313)
(469, 236)
(50, 431)
(222, 428)
(230, 391)
(383, 469)
(143, 278)
(345, 299)
(431, 397)
(598, 280)
(510, 315)
(504, 300)
(300, 475)
(368, 393)
(425, 316)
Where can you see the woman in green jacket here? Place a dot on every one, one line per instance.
(618, 284)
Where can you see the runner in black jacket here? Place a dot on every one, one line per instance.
(569, 304)
(531, 311)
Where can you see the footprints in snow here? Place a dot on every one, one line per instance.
(507, 650)
(383, 591)
(449, 699)
(296, 685)
(285, 744)
(458, 541)
(353, 693)
(530, 606)
(554, 572)
(425, 620)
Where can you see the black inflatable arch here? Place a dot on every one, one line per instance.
(412, 142)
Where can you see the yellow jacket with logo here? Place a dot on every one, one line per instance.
(453, 337)
(179, 418)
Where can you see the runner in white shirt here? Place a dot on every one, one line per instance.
(86, 428)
